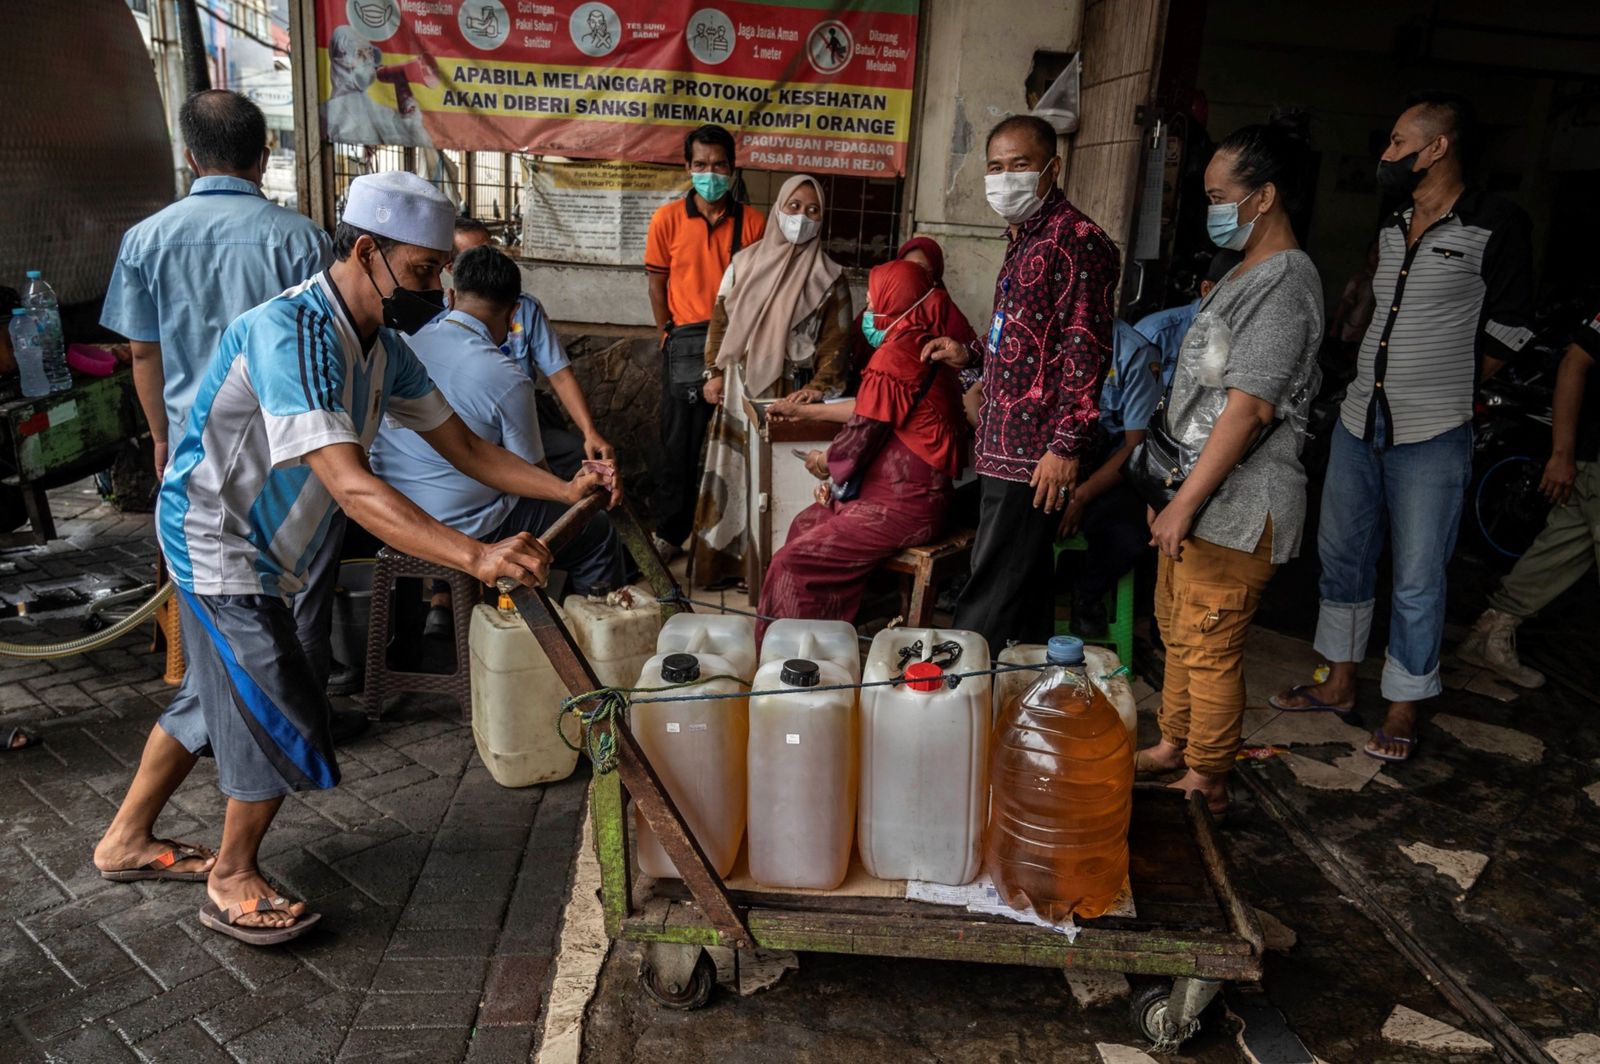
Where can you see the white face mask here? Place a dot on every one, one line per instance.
(797, 228)
(1014, 194)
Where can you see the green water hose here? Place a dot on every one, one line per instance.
(49, 651)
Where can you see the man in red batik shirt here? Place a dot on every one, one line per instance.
(1041, 361)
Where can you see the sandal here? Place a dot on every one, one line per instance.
(28, 740)
(1384, 737)
(1317, 705)
(160, 866)
(223, 920)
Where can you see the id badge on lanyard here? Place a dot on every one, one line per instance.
(999, 323)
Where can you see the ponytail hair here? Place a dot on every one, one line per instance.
(1276, 152)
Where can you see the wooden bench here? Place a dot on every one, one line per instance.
(928, 566)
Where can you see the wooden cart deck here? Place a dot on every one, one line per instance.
(1189, 921)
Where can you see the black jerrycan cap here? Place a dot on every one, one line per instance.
(680, 668)
(798, 672)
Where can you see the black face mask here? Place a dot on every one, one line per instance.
(1397, 178)
(408, 309)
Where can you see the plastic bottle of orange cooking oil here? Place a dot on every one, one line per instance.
(1061, 766)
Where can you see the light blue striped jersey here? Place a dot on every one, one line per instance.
(240, 512)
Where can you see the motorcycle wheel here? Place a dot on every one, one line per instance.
(1507, 506)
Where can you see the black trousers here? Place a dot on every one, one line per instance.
(563, 450)
(684, 417)
(1011, 595)
(1118, 535)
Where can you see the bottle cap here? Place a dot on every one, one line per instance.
(17, 312)
(798, 672)
(924, 676)
(34, 275)
(1064, 650)
(680, 668)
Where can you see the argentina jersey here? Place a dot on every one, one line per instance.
(240, 512)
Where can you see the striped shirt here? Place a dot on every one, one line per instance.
(1464, 289)
(240, 512)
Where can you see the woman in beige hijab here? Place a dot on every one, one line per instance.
(781, 328)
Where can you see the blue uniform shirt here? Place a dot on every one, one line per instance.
(493, 395)
(533, 344)
(1165, 329)
(1133, 385)
(184, 273)
(239, 512)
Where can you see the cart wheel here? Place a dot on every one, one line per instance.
(1149, 1010)
(691, 995)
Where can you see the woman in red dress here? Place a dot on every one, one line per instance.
(888, 476)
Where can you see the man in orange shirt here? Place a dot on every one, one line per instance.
(690, 244)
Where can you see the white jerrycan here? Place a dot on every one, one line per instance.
(617, 632)
(516, 700)
(728, 637)
(834, 641)
(802, 768)
(1101, 664)
(698, 751)
(924, 756)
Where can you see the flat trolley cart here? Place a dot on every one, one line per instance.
(1192, 933)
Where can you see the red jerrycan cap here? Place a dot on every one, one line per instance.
(924, 676)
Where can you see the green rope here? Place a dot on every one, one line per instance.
(611, 707)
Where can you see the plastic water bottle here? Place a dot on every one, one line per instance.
(40, 298)
(26, 343)
(1062, 771)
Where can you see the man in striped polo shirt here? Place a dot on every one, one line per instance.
(1454, 289)
(273, 448)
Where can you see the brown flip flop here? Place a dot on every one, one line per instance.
(160, 867)
(222, 920)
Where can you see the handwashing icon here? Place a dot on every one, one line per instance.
(486, 25)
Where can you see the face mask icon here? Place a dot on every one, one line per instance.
(377, 14)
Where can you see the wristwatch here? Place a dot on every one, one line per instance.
(710, 372)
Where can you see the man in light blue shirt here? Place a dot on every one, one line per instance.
(461, 352)
(534, 346)
(188, 270)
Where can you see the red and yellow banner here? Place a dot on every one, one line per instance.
(815, 85)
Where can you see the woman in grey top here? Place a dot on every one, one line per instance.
(1247, 367)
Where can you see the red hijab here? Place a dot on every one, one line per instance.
(901, 294)
(949, 321)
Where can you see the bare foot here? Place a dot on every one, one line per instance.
(228, 890)
(1162, 757)
(1214, 788)
(1399, 732)
(116, 852)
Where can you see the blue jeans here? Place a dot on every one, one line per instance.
(1414, 491)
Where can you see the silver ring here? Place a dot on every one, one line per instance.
(1062, 491)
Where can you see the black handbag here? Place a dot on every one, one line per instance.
(1155, 468)
(686, 355)
(685, 349)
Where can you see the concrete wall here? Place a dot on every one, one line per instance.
(974, 62)
(1352, 65)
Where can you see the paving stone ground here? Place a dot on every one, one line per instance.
(441, 892)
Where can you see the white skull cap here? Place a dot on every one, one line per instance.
(403, 207)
